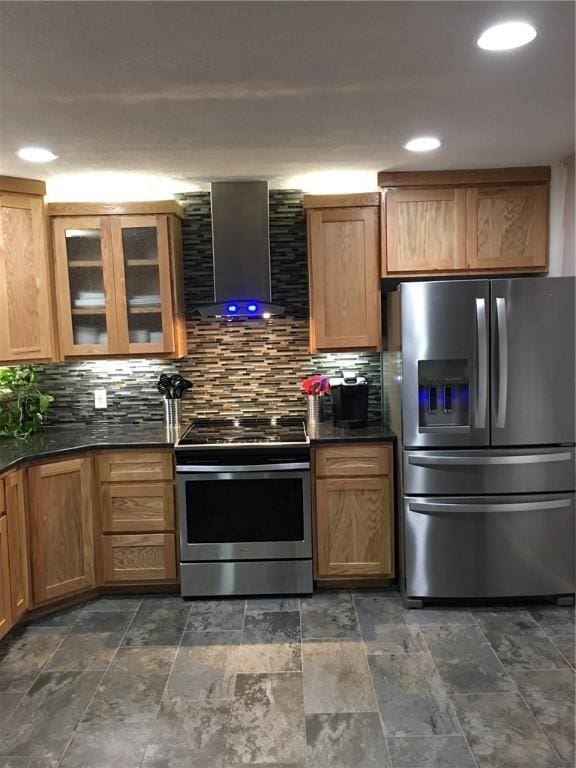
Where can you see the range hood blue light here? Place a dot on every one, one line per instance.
(241, 308)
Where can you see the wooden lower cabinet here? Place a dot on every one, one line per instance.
(354, 514)
(139, 557)
(61, 519)
(6, 621)
(17, 542)
(62, 533)
(138, 519)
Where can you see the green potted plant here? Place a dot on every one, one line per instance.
(22, 406)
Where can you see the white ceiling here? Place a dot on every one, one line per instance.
(199, 91)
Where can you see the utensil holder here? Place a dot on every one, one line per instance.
(314, 412)
(172, 413)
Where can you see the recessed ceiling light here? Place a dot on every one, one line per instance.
(504, 37)
(36, 155)
(423, 144)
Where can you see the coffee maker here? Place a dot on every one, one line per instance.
(349, 400)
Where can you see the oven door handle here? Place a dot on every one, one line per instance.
(185, 469)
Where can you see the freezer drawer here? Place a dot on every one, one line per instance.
(489, 546)
(542, 470)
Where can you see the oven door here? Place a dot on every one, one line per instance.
(244, 513)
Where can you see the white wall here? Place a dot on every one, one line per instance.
(562, 217)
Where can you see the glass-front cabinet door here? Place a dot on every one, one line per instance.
(114, 285)
(143, 290)
(85, 286)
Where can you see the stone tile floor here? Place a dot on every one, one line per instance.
(337, 680)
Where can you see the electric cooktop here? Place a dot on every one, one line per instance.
(247, 431)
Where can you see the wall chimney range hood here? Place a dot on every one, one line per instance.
(241, 251)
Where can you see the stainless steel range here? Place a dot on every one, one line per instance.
(244, 507)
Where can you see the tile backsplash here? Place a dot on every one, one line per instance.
(238, 367)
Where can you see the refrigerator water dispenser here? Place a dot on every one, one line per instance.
(443, 394)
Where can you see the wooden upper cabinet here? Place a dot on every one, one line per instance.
(118, 281)
(61, 527)
(344, 271)
(354, 511)
(507, 227)
(17, 543)
(26, 316)
(425, 230)
(85, 290)
(491, 221)
(142, 277)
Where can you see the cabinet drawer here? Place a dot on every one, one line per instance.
(128, 508)
(139, 557)
(127, 466)
(358, 460)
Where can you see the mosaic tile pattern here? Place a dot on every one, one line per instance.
(238, 367)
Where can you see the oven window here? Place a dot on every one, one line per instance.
(222, 511)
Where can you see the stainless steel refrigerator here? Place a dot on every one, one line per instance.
(485, 411)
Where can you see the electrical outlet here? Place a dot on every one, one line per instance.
(100, 400)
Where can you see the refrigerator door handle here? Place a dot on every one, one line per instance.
(502, 328)
(483, 461)
(482, 346)
(518, 506)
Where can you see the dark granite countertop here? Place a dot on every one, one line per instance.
(59, 441)
(373, 432)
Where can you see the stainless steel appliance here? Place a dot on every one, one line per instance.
(349, 400)
(483, 395)
(244, 508)
(241, 251)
